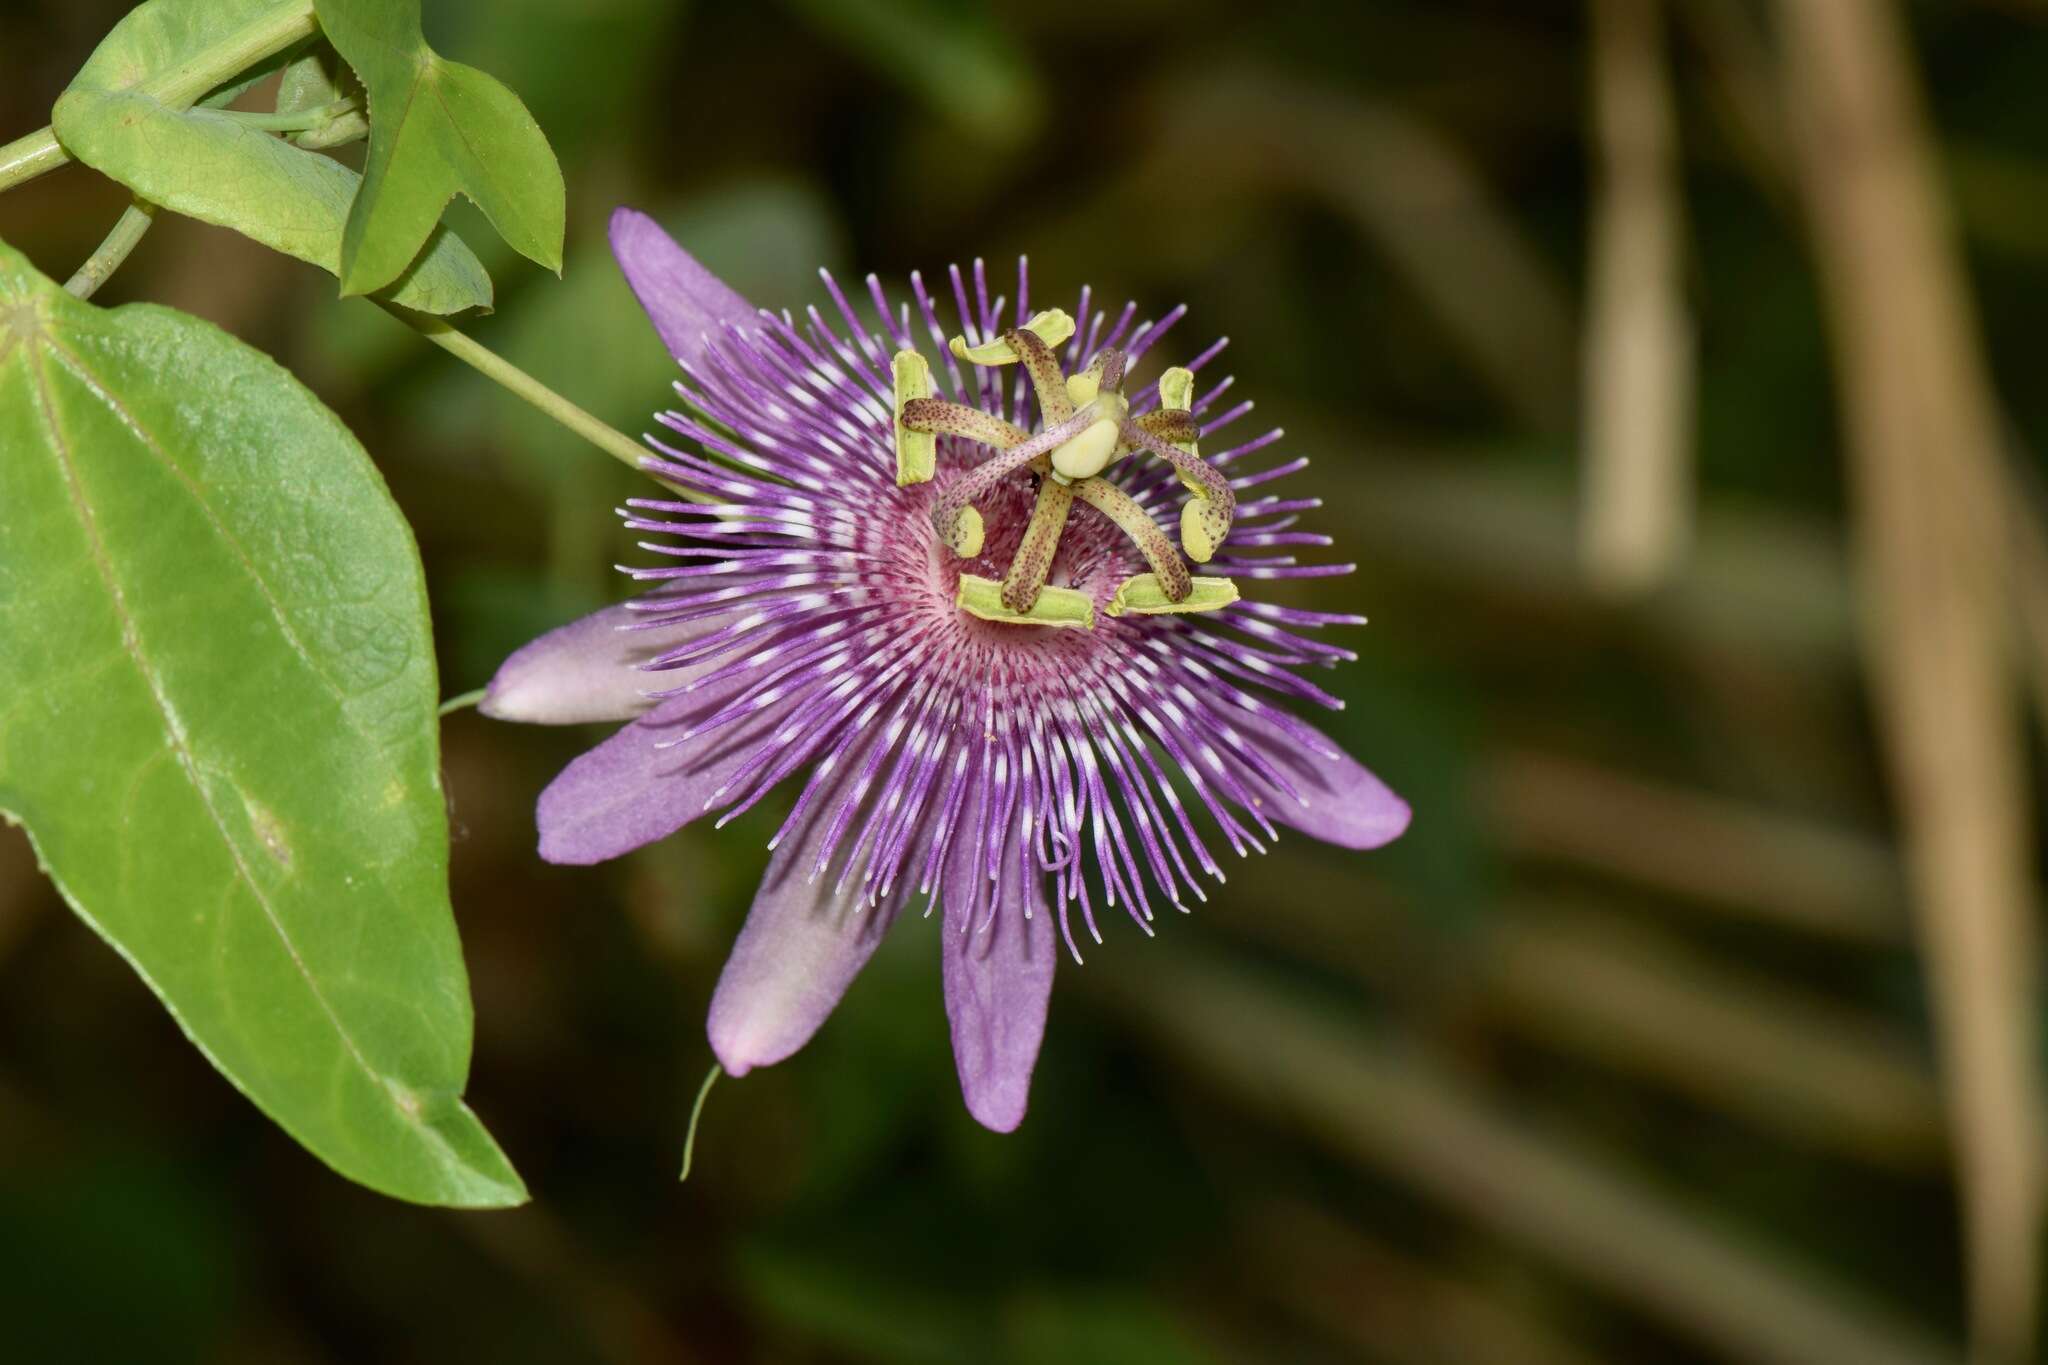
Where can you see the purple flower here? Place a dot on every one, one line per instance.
(1017, 709)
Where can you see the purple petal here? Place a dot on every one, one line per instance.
(804, 942)
(588, 670)
(683, 299)
(1335, 799)
(631, 790)
(998, 972)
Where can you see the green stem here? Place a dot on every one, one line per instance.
(25, 158)
(501, 371)
(114, 250)
(303, 121)
(270, 32)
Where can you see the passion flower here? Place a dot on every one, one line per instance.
(941, 586)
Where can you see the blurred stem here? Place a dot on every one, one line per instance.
(270, 32)
(1313, 1069)
(1763, 863)
(1638, 343)
(1931, 507)
(501, 371)
(104, 262)
(1389, 1306)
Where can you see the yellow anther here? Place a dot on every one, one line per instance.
(1053, 327)
(966, 537)
(1057, 607)
(916, 451)
(1199, 524)
(1177, 393)
(1141, 595)
(1198, 527)
(1082, 388)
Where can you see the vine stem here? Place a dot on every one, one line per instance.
(265, 35)
(499, 370)
(105, 261)
(25, 158)
(304, 121)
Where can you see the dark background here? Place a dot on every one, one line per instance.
(1623, 1053)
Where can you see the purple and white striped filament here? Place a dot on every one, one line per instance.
(823, 594)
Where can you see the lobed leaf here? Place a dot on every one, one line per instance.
(208, 165)
(437, 129)
(217, 722)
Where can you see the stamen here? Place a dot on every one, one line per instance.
(1205, 519)
(916, 451)
(1052, 327)
(1142, 595)
(1168, 567)
(983, 597)
(937, 415)
(1033, 561)
(1175, 425)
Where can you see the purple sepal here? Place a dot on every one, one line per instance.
(803, 943)
(588, 670)
(631, 790)
(683, 300)
(998, 968)
(1345, 804)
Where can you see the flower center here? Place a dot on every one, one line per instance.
(1085, 427)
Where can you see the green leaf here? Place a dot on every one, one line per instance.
(207, 164)
(437, 129)
(314, 81)
(217, 695)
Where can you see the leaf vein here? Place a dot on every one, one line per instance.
(174, 727)
(86, 375)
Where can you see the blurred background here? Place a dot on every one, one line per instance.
(1671, 372)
